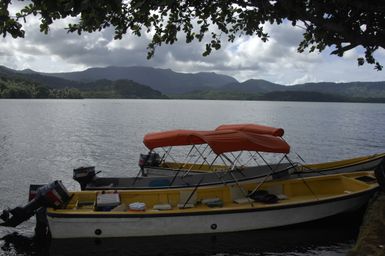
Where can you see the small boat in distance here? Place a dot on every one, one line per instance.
(236, 207)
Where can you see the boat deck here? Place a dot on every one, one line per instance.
(225, 198)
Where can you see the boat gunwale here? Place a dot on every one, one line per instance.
(188, 185)
(210, 211)
(365, 159)
(308, 168)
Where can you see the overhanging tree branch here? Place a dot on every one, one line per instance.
(341, 24)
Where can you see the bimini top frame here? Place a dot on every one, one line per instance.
(224, 139)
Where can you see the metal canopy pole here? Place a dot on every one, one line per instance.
(167, 153)
(180, 168)
(216, 173)
(265, 178)
(263, 159)
(227, 158)
(201, 155)
(200, 166)
(252, 157)
(187, 156)
(236, 158)
(302, 178)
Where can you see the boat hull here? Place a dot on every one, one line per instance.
(248, 174)
(222, 220)
(349, 165)
(173, 179)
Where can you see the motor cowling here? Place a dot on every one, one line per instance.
(84, 175)
(51, 195)
(150, 159)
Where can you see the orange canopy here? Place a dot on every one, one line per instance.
(253, 128)
(230, 141)
(219, 141)
(172, 138)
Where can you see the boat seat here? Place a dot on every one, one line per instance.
(185, 206)
(209, 200)
(162, 207)
(159, 183)
(277, 190)
(212, 202)
(120, 208)
(187, 198)
(238, 195)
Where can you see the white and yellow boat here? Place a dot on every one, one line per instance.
(236, 207)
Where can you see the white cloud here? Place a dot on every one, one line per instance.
(247, 58)
(307, 78)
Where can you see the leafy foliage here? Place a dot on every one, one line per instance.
(15, 84)
(310, 96)
(339, 24)
(218, 95)
(23, 89)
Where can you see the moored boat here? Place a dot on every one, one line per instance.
(355, 164)
(229, 154)
(275, 198)
(230, 208)
(221, 143)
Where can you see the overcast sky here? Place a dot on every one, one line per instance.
(247, 58)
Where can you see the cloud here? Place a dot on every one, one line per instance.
(247, 57)
(307, 78)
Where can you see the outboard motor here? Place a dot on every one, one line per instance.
(150, 159)
(52, 195)
(84, 175)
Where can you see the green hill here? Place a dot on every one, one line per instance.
(105, 83)
(29, 84)
(16, 88)
(120, 89)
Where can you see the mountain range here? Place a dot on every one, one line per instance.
(203, 85)
(163, 80)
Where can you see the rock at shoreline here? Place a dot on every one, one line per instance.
(371, 239)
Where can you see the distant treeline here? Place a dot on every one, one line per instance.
(22, 89)
(119, 89)
(15, 88)
(275, 96)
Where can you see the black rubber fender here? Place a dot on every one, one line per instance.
(379, 171)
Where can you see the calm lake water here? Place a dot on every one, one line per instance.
(43, 140)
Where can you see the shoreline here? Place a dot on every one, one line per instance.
(371, 238)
